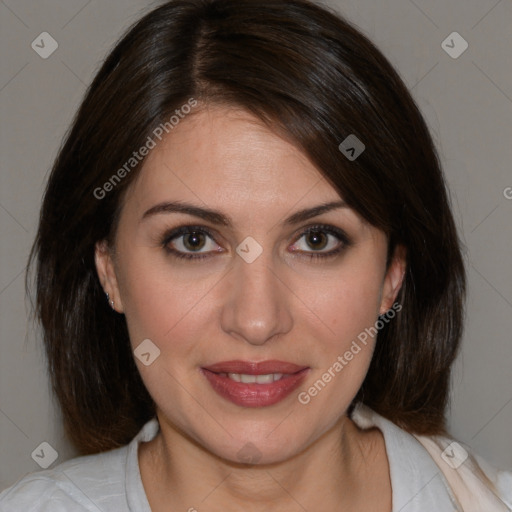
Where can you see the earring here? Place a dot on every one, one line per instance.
(111, 302)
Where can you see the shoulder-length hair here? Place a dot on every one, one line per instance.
(308, 74)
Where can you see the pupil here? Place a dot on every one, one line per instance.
(193, 241)
(317, 240)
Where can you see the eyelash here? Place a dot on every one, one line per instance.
(171, 235)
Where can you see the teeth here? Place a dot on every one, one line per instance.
(265, 379)
(255, 379)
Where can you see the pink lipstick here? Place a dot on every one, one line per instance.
(255, 384)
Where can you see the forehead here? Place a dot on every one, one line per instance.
(228, 159)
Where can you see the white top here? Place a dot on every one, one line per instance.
(422, 477)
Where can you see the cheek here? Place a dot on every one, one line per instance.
(171, 309)
(347, 310)
(345, 302)
(159, 301)
(345, 306)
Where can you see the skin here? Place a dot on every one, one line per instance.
(283, 306)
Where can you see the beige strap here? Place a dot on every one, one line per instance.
(470, 486)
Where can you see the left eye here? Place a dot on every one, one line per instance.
(316, 240)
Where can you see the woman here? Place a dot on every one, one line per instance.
(253, 190)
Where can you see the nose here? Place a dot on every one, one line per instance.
(256, 305)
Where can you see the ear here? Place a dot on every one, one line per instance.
(103, 259)
(394, 278)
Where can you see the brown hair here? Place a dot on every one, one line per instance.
(308, 74)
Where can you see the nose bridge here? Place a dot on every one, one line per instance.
(256, 309)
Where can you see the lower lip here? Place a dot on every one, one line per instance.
(254, 395)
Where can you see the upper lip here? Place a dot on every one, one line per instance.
(255, 368)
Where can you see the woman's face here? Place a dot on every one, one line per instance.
(256, 270)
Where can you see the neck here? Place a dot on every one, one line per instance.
(334, 470)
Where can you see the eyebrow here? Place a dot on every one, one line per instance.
(216, 217)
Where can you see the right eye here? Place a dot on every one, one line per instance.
(190, 242)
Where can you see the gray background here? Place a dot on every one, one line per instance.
(467, 102)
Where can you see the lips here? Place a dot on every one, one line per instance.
(254, 384)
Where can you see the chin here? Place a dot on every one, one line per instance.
(267, 445)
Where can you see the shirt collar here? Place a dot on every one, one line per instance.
(135, 493)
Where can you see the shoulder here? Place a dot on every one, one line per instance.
(81, 484)
(106, 482)
(437, 473)
(472, 480)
